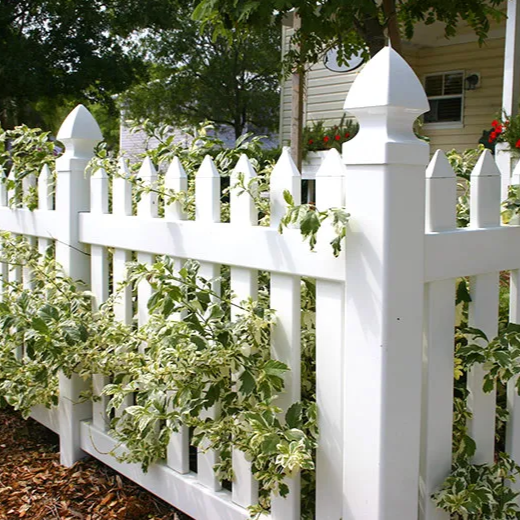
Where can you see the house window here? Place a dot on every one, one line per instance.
(445, 93)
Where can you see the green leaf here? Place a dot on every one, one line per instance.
(288, 197)
(275, 368)
(247, 381)
(293, 417)
(270, 444)
(39, 325)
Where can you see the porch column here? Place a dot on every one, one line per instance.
(511, 87)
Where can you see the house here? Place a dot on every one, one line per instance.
(467, 84)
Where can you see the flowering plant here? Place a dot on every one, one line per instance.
(506, 130)
(319, 137)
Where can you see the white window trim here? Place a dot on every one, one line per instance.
(446, 125)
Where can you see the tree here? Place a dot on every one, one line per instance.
(194, 77)
(351, 26)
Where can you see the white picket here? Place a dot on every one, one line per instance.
(177, 457)
(286, 299)
(44, 202)
(14, 274)
(122, 206)
(513, 399)
(244, 285)
(207, 209)
(4, 268)
(330, 309)
(99, 281)
(28, 187)
(439, 325)
(146, 208)
(483, 308)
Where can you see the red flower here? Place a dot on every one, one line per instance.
(494, 123)
(326, 139)
(499, 129)
(347, 135)
(311, 141)
(493, 134)
(337, 137)
(506, 123)
(517, 145)
(490, 140)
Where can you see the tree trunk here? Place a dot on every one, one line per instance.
(392, 24)
(374, 34)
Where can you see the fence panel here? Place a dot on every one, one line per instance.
(330, 310)
(286, 299)
(244, 285)
(439, 328)
(207, 209)
(178, 456)
(99, 272)
(483, 308)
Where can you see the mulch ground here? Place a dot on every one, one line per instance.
(34, 486)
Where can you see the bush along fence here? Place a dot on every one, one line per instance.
(200, 355)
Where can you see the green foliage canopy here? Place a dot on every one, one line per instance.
(351, 26)
(63, 49)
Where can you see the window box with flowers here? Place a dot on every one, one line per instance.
(318, 139)
(504, 140)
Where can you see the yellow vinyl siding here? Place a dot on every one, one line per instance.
(480, 105)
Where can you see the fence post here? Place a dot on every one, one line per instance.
(79, 133)
(385, 194)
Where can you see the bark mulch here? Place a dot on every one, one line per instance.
(34, 486)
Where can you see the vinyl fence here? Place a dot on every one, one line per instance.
(385, 308)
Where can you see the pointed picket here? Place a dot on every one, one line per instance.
(177, 456)
(285, 177)
(175, 179)
(207, 209)
(439, 326)
(515, 177)
(28, 191)
(207, 192)
(44, 202)
(15, 272)
(122, 207)
(99, 280)
(147, 208)
(244, 285)
(242, 205)
(330, 304)
(12, 193)
(513, 399)
(3, 203)
(483, 308)
(3, 187)
(285, 298)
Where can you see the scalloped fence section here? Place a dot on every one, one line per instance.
(385, 307)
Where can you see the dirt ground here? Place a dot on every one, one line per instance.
(34, 486)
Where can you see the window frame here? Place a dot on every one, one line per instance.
(446, 124)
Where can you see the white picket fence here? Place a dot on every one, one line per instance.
(385, 307)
